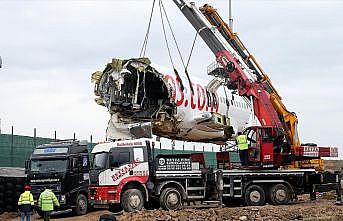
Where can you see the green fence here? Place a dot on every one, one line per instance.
(15, 149)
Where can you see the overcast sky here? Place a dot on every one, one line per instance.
(50, 48)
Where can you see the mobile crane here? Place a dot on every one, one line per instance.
(129, 173)
(244, 74)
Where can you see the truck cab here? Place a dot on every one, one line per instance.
(63, 167)
(116, 167)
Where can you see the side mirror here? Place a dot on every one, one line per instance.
(75, 166)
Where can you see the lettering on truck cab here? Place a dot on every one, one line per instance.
(124, 170)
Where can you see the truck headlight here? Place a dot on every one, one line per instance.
(63, 199)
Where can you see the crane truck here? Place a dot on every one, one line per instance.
(280, 168)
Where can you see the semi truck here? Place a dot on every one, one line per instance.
(129, 173)
(63, 167)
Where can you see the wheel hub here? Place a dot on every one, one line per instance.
(172, 199)
(255, 196)
(280, 195)
(82, 204)
(134, 201)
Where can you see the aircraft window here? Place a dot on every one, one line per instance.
(209, 100)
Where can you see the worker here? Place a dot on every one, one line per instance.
(25, 204)
(47, 201)
(242, 143)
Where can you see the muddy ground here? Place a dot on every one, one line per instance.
(304, 209)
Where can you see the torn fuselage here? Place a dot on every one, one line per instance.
(136, 93)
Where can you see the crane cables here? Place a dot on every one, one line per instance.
(164, 17)
(145, 42)
(162, 8)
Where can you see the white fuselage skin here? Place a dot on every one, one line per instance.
(193, 109)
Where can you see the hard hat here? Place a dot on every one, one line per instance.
(27, 187)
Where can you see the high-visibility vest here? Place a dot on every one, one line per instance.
(47, 200)
(26, 198)
(242, 142)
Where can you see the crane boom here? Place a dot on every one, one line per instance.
(289, 119)
(241, 76)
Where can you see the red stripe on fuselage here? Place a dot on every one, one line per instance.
(200, 93)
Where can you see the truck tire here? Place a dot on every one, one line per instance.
(280, 194)
(81, 205)
(170, 199)
(132, 200)
(255, 196)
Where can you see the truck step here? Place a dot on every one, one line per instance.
(211, 202)
(195, 188)
(195, 197)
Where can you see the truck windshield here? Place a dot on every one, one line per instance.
(100, 160)
(45, 166)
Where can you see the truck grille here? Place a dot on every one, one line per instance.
(36, 189)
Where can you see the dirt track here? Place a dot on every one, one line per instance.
(303, 210)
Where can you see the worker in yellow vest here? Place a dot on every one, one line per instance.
(242, 143)
(47, 201)
(25, 204)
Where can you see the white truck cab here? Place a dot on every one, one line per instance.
(119, 166)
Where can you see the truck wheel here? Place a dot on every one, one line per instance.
(280, 194)
(170, 199)
(255, 196)
(132, 200)
(81, 205)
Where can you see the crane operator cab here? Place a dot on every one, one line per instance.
(268, 147)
